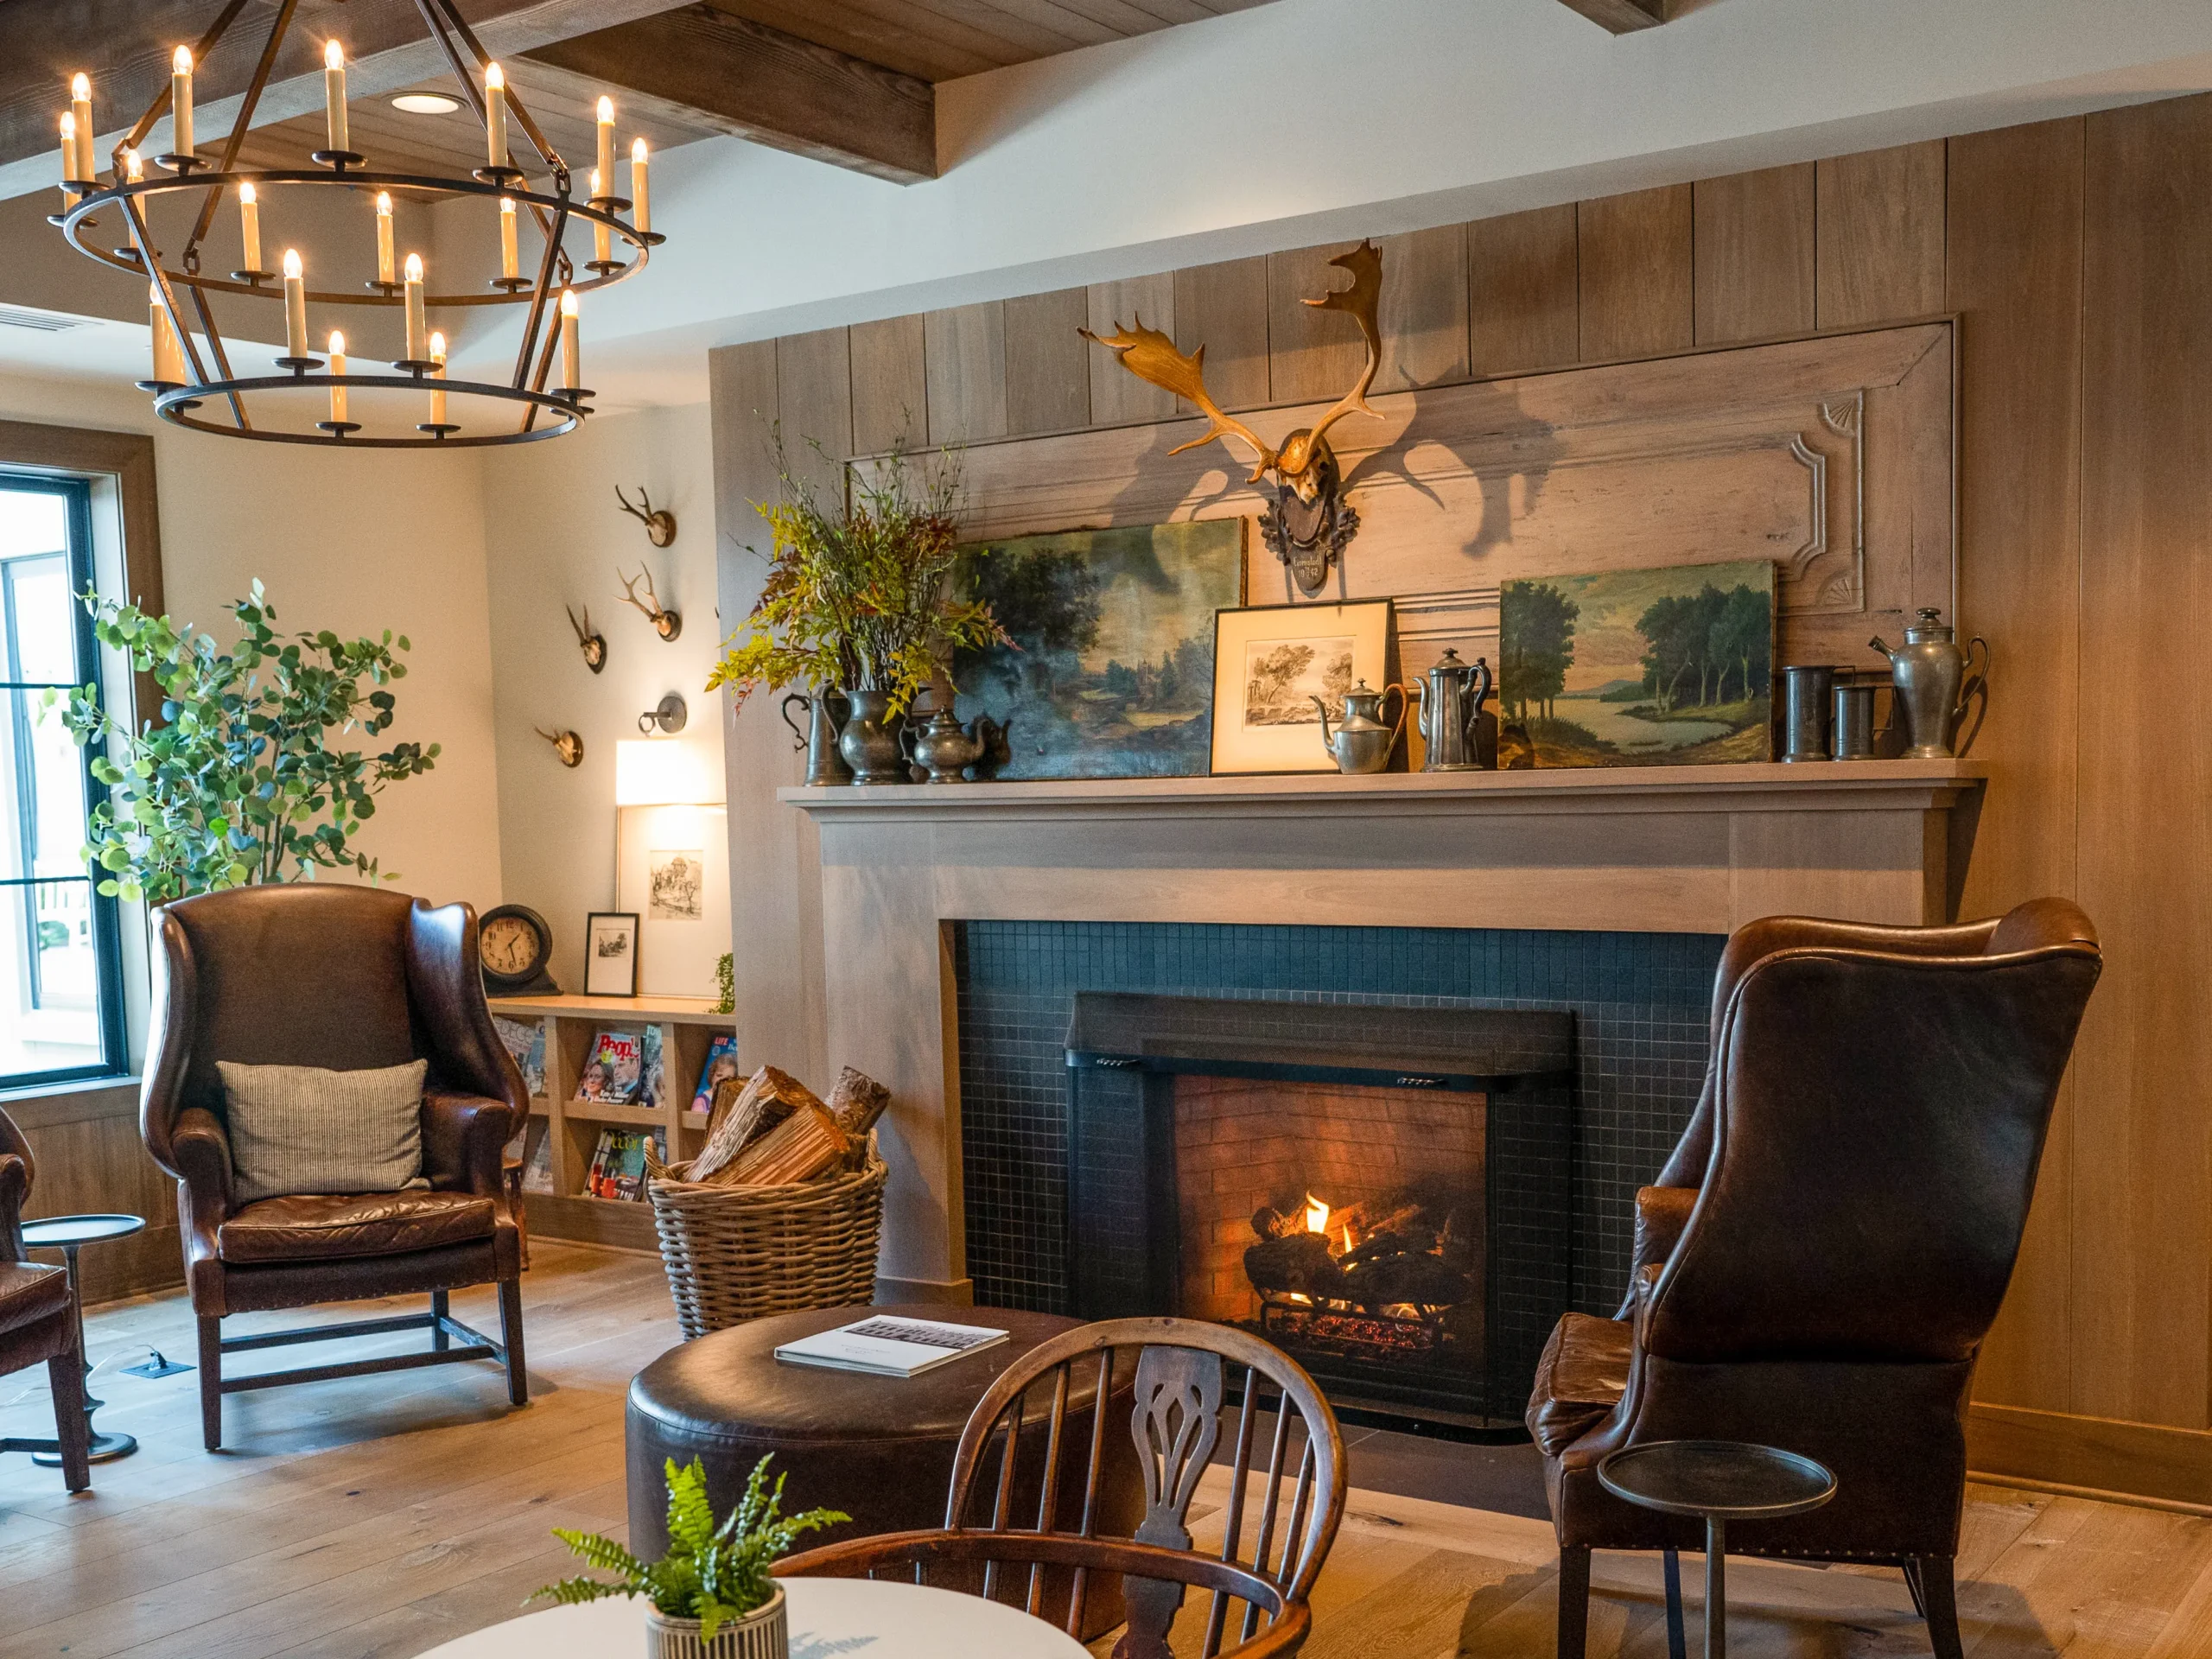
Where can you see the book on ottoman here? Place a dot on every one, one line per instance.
(888, 1347)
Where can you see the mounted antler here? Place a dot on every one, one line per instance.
(660, 523)
(1307, 522)
(591, 643)
(666, 623)
(566, 745)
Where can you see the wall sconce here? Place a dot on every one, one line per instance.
(667, 716)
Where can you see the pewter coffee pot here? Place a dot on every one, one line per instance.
(1934, 687)
(1361, 743)
(1452, 712)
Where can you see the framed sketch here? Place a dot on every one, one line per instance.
(1276, 666)
(611, 953)
(677, 887)
(1111, 672)
(1637, 668)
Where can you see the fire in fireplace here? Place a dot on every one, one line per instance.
(1380, 1192)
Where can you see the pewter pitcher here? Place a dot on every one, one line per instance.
(826, 710)
(1452, 712)
(1934, 686)
(1361, 743)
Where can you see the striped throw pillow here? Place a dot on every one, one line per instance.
(301, 1128)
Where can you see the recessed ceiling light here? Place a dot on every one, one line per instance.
(426, 104)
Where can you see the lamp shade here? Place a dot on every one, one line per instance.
(666, 771)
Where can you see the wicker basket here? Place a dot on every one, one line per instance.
(735, 1253)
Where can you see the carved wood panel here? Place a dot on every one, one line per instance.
(1831, 456)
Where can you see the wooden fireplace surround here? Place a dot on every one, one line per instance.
(1679, 850)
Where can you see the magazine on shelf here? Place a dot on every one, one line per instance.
(537, 1166)
(525, 1040)
(652, 1089)
(889, 1347)
(721, 1063)
(618, 1165)
(614, 1071)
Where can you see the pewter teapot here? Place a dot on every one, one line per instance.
(1361, 743)
(1933, 686)
(1452, 712)
(945, 749)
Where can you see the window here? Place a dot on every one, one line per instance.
(60, 980)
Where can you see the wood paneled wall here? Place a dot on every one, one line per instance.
(2078, 255)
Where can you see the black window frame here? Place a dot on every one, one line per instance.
(106, 919)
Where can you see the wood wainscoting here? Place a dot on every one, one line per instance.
(91, 1160)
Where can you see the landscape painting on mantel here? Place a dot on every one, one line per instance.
(1638, 668)
(1110, 674)
(1830, 458)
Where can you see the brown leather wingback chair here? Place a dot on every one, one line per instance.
(38, 1317)
(346, 978)
(1825, 1250)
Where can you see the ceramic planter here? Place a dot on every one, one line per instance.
(761, 1634)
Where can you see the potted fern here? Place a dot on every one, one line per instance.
(710, 1596)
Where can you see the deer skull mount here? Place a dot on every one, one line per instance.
(659, 522)
(666, 623)
(1307, 521)
(566, 745)
(592, 643)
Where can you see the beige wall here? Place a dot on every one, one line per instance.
(554, 535)
(354, 542)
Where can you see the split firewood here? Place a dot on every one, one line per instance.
(769, 1098)
(807, 1143)
(856, 1102)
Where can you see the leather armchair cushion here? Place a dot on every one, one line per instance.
(1580, 1378)
(29, 1292)
(303, 1128)
(324, 1228)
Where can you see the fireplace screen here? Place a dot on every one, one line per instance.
(1402, 1232)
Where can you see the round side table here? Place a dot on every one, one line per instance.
(69, 1234)
(1720, 1481)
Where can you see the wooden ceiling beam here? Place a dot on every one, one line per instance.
(702, 65)
(1624, 16)
(125, 45)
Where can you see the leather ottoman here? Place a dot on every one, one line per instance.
(878, 1447)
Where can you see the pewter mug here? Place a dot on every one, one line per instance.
(1452, 711)
(1805, 711)
(1934, 687)
(1854, 730)
(1361, 743)
(825, 720)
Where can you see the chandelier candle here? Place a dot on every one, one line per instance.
(508, 261)
(605, 158)
(337, 367)
(384, 239)
(437, 393)
(495, 114)
(295, 307)
(168, 355)
(641, 202)
(80, 108)
(334, 93)
(181, 103)
(249, 225)
(418, 331)
(134, 168)
(571, 352)
(69, 158)
(602, 250)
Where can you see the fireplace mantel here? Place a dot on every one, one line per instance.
(1680, 849)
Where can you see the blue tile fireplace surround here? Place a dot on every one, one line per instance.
(1640, 1002)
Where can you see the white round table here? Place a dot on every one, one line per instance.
(829, 1618)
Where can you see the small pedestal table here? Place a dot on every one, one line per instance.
(69, 1234)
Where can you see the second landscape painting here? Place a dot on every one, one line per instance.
(1111, 671)
(1638, 667)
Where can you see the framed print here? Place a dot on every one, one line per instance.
(611, 953)
(1276, 666)
(1110, 673)
(1637, 668)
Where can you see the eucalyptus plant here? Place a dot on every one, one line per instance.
(859, 593)
(716, 1574)
(240, 782)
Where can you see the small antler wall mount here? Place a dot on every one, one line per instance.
(666, 623)
(566, 745)
(1307, 522)
(589, 640)
(659, 522)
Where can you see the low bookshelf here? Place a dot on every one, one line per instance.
(688, 1027)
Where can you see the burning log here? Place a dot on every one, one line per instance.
(1270, 1222)
(1417, 1278)
(1297, 1263)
